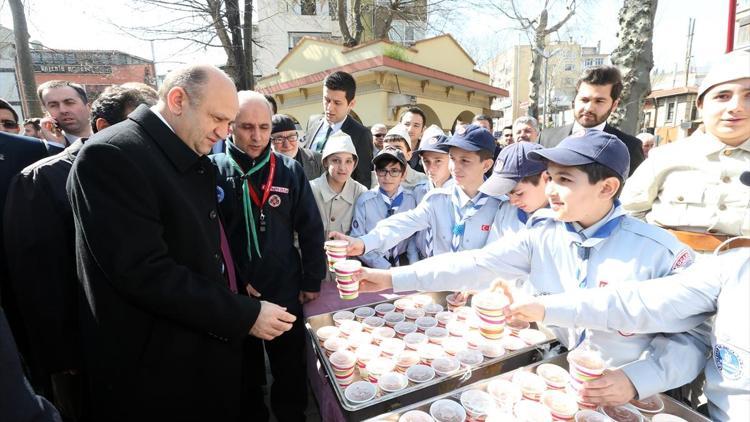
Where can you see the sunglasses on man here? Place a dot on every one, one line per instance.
(9, 124)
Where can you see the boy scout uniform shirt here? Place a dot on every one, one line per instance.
(370, 209)
(336, 209)
(718, 284)
(420, 191)
(434, 212)
(692, 185)
(554, 260)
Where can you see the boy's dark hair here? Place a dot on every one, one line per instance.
(385, 161)
(61, 84)
(597, 172)
(415, 110)
(396, 138)
(114, 103)
(4, 105)
(342, 81)
(509, 127)
(483, 117)
(603, 75)
(273, 103)
(485, 155)
(534, 179)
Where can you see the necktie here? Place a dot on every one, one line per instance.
(461, 215)
(226, 253)
(393, 206)
(322, 143)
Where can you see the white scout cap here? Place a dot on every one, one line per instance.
(729, 67)
(339, 142)
(402, 132)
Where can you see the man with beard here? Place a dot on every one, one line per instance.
(67, 117)
(597, 95)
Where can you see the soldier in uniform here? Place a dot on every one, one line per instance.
(692, 186)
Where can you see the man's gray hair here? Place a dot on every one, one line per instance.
(254, 96)
(527, 120)
(190, 78)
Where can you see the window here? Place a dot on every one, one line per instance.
(588, 63)
(670, 112)
(570, 67)
(295, 37)
(307, 7)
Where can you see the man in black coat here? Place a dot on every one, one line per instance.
(40, 245)
(266, 198)
(597, 95)
(163, 326)
(338, 100)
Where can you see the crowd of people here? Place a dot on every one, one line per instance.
(157, 246)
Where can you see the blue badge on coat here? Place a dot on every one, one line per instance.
(355, 224)
(219, 194)
(728, 362)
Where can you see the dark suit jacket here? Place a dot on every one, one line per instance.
(17, 400)
(551, 137)
(16, 152)
(362, 140)
(162, 331)
(311, 162)
(40, 244)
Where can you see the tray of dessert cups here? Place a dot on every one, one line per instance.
(390, 354)
(543, 391)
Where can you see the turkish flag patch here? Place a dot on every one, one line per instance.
(485, 227)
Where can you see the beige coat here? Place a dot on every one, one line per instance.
(336, 209)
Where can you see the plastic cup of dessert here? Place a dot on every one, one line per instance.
(360, 392)
(445, 410)
(350, 327)
(420, 373)
(445, 317)
(531, 336)
(420, 301)
(415, 416)
(453, 302)
(377, 367)
(428, 352)
(405, 328)
(326, 332)
(381, 333)
(457, 328)
(383, 308)
(445, 366)
(516, 325)
(393, 318)
(666, 417)
(391, 347)
(505, 393)
(364, 355)
(343, 363)
(475, 340)
(453, 345)
(492, 349)
(588, 415)
(425, 322)
(555, 376)
(513, 343)
(436, 335)
(357, 340)
(477, 403)
(406, 359)
(341, 316)
(528, 410)
(432, 309)
(392, 381)
(334, 344)
(624, 413)
(414, 340)
(370, 323)
(562, 406)
(363, 312)
(470, 358)
(532, 385)
(403, 304)
(412, 314)
(649, 405)
(463, 312)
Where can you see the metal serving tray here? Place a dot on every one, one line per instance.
(671, 406)
(415, 392)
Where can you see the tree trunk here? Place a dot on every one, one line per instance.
(233, 21)
(247, 43)
(537, 49)
(634, 57)
(32, 107)
(217, 20)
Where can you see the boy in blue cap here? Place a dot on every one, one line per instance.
(590, 243)
(458, 217)
(433, 154)
(381, 202)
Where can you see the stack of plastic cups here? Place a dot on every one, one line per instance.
(453, 302)
(348, 287)
(335, 251)
(585, 364)
(343, 363)
(365, 354)
(489, 308)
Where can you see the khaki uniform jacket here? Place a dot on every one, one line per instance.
(336, 209)
(693, 185)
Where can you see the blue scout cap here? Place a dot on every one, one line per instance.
(472, 138)
(510, 167)
(389, 152)
(591, 146)
(433, 140)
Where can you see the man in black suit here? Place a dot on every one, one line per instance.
(40, 245)
(338, 99)
(597, 95)
(163, 322)
(67, 117)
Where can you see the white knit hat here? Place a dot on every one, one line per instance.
(339, 142)
(729, 67)
(401, 131)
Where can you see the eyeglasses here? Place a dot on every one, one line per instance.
(278, 140)
(378, 135)
(9, 124)
(392, 172)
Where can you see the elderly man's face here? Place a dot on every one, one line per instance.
(204, 117)
(285, 142)
(646, 146)
(525, 132)
(252, 128)
(378, 134)
(726, 111)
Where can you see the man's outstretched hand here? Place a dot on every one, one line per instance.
(372, 280)
(356, 246)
